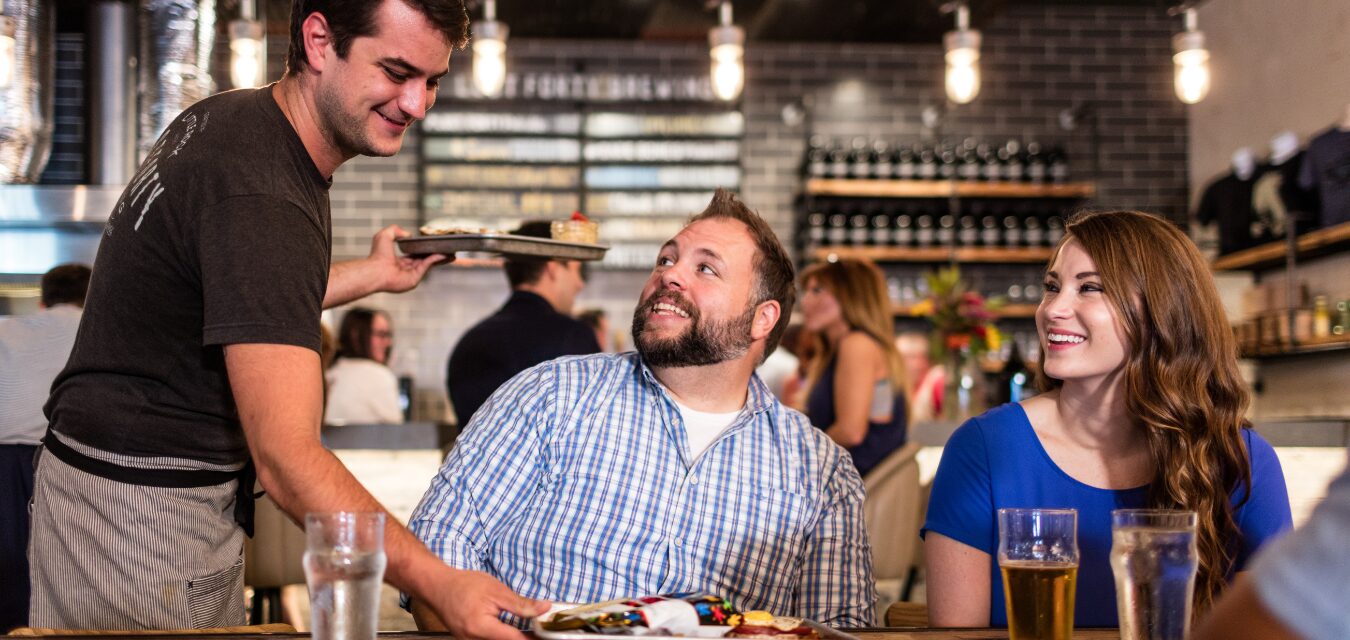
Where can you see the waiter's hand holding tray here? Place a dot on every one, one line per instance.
(572, 240)
(673, 616)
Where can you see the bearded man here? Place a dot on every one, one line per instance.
(672, 469)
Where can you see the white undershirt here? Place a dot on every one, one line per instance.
(701, 427)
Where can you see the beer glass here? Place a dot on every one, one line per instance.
(1038, 556)
(1154, 558)
(344, 567)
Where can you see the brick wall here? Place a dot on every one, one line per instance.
(1036, 62)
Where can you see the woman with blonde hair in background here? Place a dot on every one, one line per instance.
(856, 379)
(1142, 408)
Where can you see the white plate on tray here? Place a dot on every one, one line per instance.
(503, 243)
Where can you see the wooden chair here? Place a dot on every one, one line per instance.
(892, 514)
(907, 614)
(273, 558)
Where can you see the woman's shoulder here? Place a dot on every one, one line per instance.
(858, 342)
(360, 367)
(998, 428)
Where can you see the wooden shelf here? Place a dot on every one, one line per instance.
(1008, 311)
(1311, 244)
(947, 188)
(1305, 347)
(1026, 255)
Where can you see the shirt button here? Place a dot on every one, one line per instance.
(679, 542)
(693, 479)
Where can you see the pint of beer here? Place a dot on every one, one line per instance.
(1038, 556)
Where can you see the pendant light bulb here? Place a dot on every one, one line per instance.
(726, 44)
(489, 52)
(963, 59)
(1191, 60)
(246, 53)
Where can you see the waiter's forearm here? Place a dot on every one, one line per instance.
(350, 280)
(277, 390)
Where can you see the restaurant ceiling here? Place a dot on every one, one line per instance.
(874, 21)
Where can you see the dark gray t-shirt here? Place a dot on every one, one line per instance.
(1326, 167)
(222, 237)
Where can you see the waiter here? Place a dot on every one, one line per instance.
(197, 360)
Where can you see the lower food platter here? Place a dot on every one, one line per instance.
(503, 243)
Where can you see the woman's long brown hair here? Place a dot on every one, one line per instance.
(860, 288)
(1182, 384)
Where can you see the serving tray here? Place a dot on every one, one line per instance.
(503, 243)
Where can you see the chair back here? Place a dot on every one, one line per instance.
(891, 512)
(274, 556)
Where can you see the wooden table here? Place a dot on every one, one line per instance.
(862, 634)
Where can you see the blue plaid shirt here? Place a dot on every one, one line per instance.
(574, 483)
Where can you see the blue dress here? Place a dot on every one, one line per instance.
(996, 461)
(883, 436)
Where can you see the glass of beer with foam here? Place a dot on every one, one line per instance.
(1038, 556)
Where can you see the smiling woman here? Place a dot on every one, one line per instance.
(1143, 407)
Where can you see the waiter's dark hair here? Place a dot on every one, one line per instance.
(774, 273)
(351, 19)
(65, 284)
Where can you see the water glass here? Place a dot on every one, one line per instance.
(1038, 556)
(344, 567)
(1154, 558)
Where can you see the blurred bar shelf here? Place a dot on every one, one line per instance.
(1026, 255)
(1311, 244)
(946, 188)
(1007, 311)
(1328, 344)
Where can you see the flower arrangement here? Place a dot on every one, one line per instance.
(963, 320)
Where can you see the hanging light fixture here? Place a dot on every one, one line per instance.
(1192, 61)
(7, 44)
(963, 58)
(727, 50)
(489, 52)
(247, 66)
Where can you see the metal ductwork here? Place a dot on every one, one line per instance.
(175, 62)
(26, 104)
(112, 92)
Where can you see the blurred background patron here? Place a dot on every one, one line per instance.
(533, 326)
(33, 349)
(856, 380)
(361, 388)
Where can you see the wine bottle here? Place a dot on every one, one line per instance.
(817, 158)
(1035, 163)
(905, 163)
(928, 163)
(903, 235)
(882, 165)
(1014, 164)
(860, 165)
(838, 161)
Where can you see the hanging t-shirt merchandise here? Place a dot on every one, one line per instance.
(1228, 200)
(1327, 168)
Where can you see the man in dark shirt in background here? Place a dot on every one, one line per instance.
(532, 327)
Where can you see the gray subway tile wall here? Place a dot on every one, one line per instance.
(1037, 61)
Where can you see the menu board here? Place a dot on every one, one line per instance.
(639, 172)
